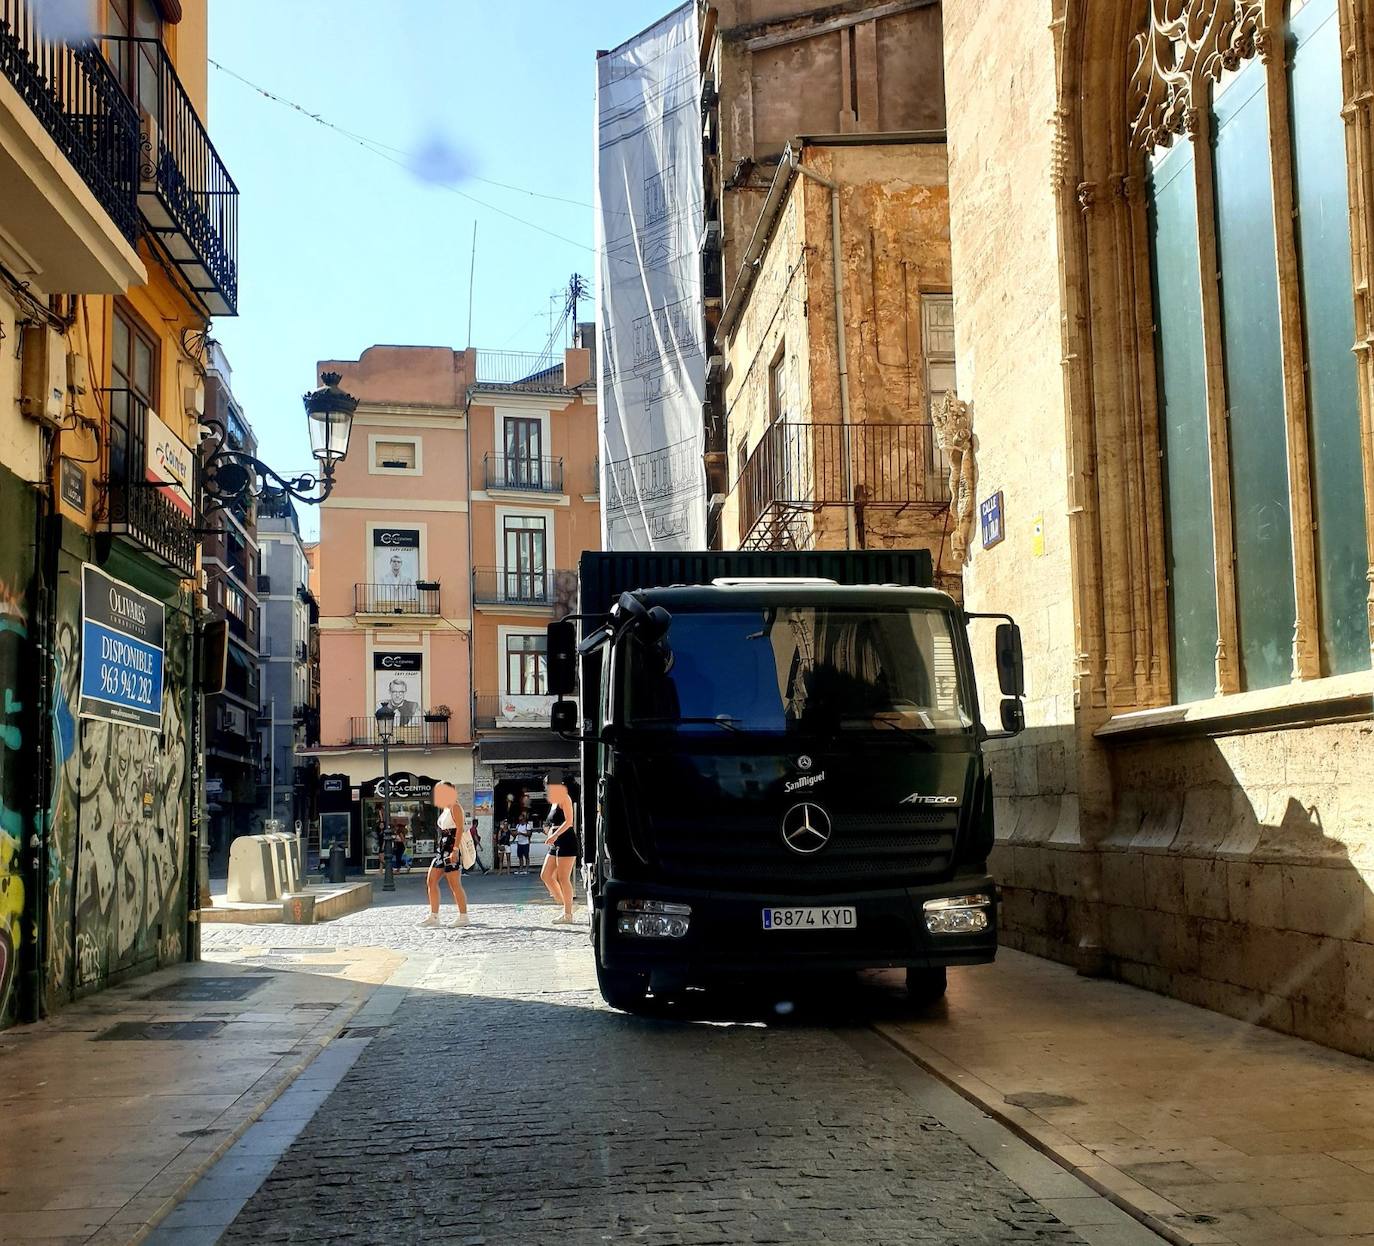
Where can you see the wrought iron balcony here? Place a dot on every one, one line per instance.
(417, 598)
(797, 470)
(521, 370)
(523, 473)
(78, 101)
(184, 192)
(420, 734)
(507, 710)
(494, 586)
(136, 509)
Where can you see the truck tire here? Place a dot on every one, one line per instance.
(926, 986)
(622, 989)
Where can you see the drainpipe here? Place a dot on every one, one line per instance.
(793, 156)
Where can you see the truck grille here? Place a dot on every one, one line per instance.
(865, 850)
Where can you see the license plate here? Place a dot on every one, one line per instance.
(810, 919)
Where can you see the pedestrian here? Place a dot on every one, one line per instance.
(448, 863)
(398, 846)
(561, 833)
(523, 831)
(503, 846)
(476, 845)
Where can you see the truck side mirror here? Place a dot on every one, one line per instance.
(563, 718)
(1013, 716)
(562, 658)
(1011, 675)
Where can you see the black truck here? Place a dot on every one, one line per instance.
(781, 767)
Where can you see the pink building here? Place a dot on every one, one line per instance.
(395, 597)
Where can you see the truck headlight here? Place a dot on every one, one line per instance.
(653, 919)
(957, 914)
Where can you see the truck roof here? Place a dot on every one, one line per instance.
(800, 592)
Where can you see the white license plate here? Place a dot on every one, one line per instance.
(810, 919)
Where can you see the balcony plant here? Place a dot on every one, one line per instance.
(438, 714)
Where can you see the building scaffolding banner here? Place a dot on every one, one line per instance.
(649, 215)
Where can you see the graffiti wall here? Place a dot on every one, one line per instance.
(118, 849)
(16, 568)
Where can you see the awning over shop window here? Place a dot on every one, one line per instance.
(544, 749)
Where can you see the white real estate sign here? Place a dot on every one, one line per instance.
(651, 339)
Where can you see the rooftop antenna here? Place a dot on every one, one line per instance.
(472, 269)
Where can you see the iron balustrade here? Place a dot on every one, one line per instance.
(415, 599)
(81, 105)
(513, 587)
(418, 734)
(135, 508)
(185, 193)
(485, 707)
(802, 467)
(523, 473)
(513, 369)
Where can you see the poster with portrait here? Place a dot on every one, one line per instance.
(397, 682)
(396, 559)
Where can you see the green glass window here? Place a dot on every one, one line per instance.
(1323, 231)
(1183, 422)
(1253, 352)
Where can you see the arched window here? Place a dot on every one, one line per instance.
(1239, 130)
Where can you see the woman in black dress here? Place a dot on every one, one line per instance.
(561, 836)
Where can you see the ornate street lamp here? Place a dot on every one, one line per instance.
(230, 476)
(386, 721)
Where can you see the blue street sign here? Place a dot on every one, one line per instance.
(991, 520)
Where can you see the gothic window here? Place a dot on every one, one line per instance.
(1241, 134)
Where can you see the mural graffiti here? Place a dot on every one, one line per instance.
(116, 898)
(13, 642)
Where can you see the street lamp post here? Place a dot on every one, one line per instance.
(230, 476)
(386, 719)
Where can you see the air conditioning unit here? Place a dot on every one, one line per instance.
(43, 376)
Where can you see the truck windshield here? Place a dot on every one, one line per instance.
(798, 669)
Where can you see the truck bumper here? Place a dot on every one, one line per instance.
(726, 934)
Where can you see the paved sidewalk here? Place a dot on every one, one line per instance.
(103, 1129)
(1212, 1130)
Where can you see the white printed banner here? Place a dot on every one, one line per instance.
(651, 339)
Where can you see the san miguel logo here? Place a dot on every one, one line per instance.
(804, 781)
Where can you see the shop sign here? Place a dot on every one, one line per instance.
(122, 636)
(169, 462)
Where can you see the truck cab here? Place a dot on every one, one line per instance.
(782, 775)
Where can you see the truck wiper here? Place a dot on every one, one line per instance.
(720, 720)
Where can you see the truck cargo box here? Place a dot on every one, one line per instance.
(603, 576)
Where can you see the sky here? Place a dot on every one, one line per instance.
(341, 245)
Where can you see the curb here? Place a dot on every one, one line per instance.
(1139, 1202)
(314, 1044)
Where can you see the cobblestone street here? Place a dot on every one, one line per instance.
(499, 1100)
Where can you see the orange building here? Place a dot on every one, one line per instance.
(393, 587)
(469, 491)
(535, 506)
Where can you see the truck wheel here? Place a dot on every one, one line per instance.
(623, 990)
(925, 986)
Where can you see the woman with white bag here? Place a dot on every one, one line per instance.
(456, 852)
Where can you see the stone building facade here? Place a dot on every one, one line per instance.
(827, 206)
(1162, 221)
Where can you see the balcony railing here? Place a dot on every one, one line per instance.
(78, 101)
(420, 598)
(511, 710)
(800, 468)
(419, 734)
(511, 587)
(524, 474)
(135, 508)
(185, 193)
(520, 370)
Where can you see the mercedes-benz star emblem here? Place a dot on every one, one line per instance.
(804, 762)
(806, 828)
